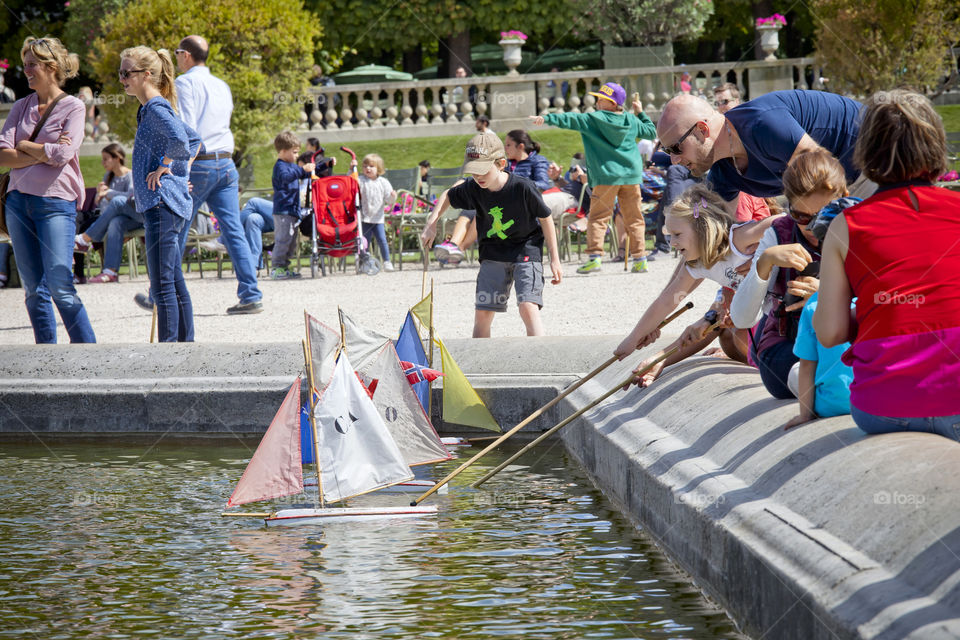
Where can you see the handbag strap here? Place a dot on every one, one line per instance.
(46, 114)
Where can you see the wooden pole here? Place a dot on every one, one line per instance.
(429, 407)
(626, 251)
(536, 414)
(307, 350)
(153, 326)
(227, 514)
(543, 436)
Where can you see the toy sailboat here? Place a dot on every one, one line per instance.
(356, 455)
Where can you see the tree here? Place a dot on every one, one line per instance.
(20, 19)
(731, 33)
(376, 29)
(262, 49)
(633, 23)
(83, 26)
(870, 45)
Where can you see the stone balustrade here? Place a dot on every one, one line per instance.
(450, 106)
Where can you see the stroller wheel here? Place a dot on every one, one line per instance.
(313, 266)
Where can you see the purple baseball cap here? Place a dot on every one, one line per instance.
(612, 92)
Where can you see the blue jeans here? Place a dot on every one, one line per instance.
(946, 426)
(117, 218)
(42, 232)
(774, 364)
(5, 250)
(215, 182)
(162, 229)
(257, 219)
(379, 232)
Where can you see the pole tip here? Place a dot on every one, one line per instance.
(689, 305)
(413, 504)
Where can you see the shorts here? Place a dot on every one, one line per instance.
(469, 214)
(495, 278)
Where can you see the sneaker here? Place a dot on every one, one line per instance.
(651, 255)
(388, 266)
(639, 266)
(293, 275)
(143, 301)
(448, 253)
(213, 245)
(279, 274)
(591, 265)
(79, 246)
(104, 277)
(245, 307)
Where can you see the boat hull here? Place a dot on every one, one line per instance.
(297, 517)
(411, 486)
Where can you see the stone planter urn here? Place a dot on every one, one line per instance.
(512, 42)
(769, 30)
(769, 40)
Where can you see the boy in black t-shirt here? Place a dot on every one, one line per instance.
(512, 224)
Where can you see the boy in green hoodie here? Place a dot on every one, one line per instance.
(614, 168)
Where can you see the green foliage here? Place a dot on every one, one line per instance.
(83, 25)
(22, 18)
(262, 49)
(632, 23)
(870, 45)
(374, 28)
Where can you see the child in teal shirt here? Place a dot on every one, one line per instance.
(614, 168)
(820, 380)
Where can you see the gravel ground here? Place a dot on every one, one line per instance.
(608, 302)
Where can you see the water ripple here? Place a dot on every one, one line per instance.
(115, 542)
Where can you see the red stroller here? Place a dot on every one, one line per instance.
(337, 231)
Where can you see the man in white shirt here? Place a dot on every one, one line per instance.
(206, 104)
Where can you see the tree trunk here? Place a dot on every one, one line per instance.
(761, 9)
(454, 52)
(413, 59)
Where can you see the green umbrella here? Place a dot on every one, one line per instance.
(371, 73)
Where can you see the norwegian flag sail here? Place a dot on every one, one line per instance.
(418, 373)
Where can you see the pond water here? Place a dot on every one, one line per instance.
(106, 541)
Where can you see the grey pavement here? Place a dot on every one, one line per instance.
(604, 303)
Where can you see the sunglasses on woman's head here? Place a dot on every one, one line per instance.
(126, 73)
(674, 149)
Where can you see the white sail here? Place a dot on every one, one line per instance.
(324, 343)
(361, 343)
(357, 452)
(400, 409)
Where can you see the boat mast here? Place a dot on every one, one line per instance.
(430, 357)
(308, 363)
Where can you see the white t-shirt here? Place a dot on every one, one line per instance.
(724, 272)
(374, 196)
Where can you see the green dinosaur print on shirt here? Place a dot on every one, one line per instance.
(498, 225)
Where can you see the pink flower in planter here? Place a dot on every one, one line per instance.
(774, 20)
(513, 34)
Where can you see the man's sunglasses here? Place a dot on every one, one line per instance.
(674, 149)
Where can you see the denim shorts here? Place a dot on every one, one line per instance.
(495, 278)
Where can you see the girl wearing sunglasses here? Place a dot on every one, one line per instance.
(784, 270)
(163, 149)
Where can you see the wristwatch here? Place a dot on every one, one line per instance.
(711, 316)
